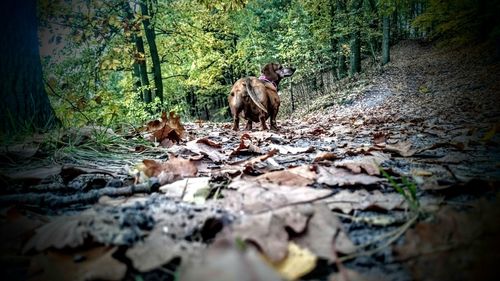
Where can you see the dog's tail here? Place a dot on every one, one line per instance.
(253, 96)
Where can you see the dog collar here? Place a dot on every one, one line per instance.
(265, 79)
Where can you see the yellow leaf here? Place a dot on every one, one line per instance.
(491, 133)
(298, 262)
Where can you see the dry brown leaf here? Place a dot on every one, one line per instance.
(368, 164)
(325, 156)
(206, 147)
(170, 171)
(455, 245)
(350, 275)
(167, 131)
(187, 188)
(285, 149)
(246, 145)
(346, 201)
(320, 232)
(62, 232)
(174, 122)
(266, 230)
(159, 248)
(15, 229)
(379, 138)
(96, 264)
(225, 261)
(402, 148)
(341, 177)
(298, 176)
(253, 197)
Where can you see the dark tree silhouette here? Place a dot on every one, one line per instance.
(25, 104)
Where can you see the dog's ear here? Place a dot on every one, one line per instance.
(270, 72)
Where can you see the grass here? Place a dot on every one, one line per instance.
(407, 189)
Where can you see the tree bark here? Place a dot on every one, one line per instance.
(386, 36)
(341, 61)
(136, 68)
(153, 50)
(25, 104)
(355, 40)
(146, 93)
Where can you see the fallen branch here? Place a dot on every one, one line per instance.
(50, 200)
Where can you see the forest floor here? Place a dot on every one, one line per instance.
(398, 182)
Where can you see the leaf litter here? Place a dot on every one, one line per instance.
(308, 201)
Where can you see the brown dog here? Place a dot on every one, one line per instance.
(256, 99)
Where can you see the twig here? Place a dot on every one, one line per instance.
(401, 230)
(50, 200)
(184, 189)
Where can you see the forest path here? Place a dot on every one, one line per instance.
(400, 184)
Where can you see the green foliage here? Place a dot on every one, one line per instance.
(89, 50)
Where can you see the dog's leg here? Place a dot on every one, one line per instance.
(248, 127)
(263, 122)
(273, 116)
(236, 119)
(236, 122)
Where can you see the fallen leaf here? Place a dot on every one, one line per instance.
(62, 232)
(206, 147)
(454, 245)
(319, 234)
(96, 264)
(265, 230)
(286, 149)
(159, 248)
(350, 275)
(170, 171)
(226, 261)
(297, 263)
(341, 177)
(325, 156)
(358, 164)
(402, 148)
(187, 188)
(252, 197)
(346, 201)
(298, 176)
(246, 145)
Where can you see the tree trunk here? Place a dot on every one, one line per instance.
(355, 39)
(153, 50)
(141, 61)
(136, 69)
(341, 60)
(25, 104)
(355, 54)
(333, 41)
(386, 37)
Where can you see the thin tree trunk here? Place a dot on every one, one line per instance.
(386, 38)
(341, 60)
(355, 40)
(141, 61)
(25, 104)
(153, 50)
(136, 69)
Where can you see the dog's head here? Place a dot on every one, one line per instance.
(275, 71)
